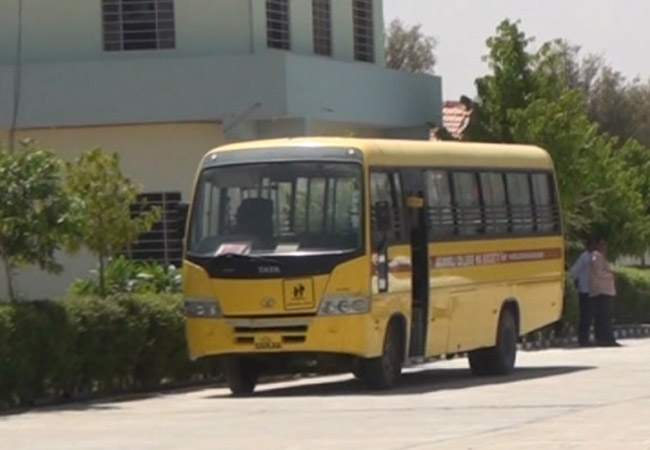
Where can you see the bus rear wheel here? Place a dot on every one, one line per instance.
(241, 375)
(383, 372)
(500, 359)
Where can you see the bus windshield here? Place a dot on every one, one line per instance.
(277, 208)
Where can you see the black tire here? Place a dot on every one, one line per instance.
(478, 362)
(357, 370)
(500, 359)
(383, 372)
(241, 375)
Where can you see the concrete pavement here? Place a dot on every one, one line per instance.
(573, 398)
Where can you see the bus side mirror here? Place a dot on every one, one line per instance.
(383, 217)
(183, 209)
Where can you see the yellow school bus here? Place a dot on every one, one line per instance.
(332, 254)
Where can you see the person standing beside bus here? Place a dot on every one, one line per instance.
(579, 272)
(602, 291)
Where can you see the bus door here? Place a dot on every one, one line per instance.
(413, 188)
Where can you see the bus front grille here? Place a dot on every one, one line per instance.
(272, 329)
(288, 331)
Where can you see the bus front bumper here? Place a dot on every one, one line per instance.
(354, 335)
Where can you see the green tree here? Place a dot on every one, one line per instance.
(409, 49)
(638, 98)
(620, 107)
(510, 86)
(105, 198)
(543, 98)
(36, 215)
(601, 192)
(557, 69)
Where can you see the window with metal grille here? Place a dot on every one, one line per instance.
(138, 24)
(468, 203)
(387, 187)
(547, 213)
(495, 202)
(322, 24)
(163, 244)
(277, 24)
(364, 42)
(440, 204)
(520, 200)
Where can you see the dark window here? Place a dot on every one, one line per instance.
(521, 210)
(468, 203)
(138, 24)
(494, 203)
(163, 244)
(322, 24)
(364, 42)
(277, 24)
(386, 187)
(545, 207)
(440, 207)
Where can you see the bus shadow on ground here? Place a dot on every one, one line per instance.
(412, 383)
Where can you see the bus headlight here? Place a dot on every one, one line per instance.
(202, 308)
(337, 305)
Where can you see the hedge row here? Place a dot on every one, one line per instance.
(89, 346)
(632, 303)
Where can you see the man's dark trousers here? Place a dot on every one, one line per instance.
(586, 318)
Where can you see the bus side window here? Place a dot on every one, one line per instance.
(439, 202)
(521, 208)
(494, 202)
(385, 187)
(467, 200)
(544, 208)
(555, 201)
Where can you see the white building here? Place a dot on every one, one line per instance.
(163, 81)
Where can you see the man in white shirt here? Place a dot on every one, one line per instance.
(602, 290)
(579, 272)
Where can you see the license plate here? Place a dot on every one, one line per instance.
(268, 342)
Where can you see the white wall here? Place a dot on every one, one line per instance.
(361, 93)
(268, 86)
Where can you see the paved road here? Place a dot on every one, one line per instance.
(576, 398)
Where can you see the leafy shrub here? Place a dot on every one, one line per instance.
(36, 350)
(164, 351)
(109, 340)
(86, 345)
(159, 279)
(7, 377)
(123, 276)
(632, 304)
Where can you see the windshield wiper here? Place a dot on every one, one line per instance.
(252, 258)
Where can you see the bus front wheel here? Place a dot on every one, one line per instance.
(383, 372)
(241, 375)
(500, 359)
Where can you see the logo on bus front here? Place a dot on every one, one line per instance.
(269, 270)
(299, 294)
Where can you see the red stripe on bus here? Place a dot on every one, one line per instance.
(479, 259)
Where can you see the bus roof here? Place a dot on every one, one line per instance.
(395, 153)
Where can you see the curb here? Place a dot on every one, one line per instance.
(537, 341)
